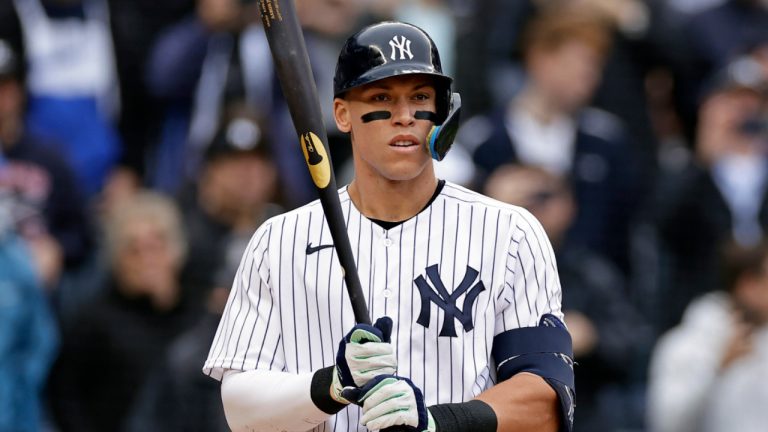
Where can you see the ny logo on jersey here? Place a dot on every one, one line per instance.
(403, 45)
(447, 301)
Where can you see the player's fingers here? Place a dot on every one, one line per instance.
(396, 418)
(365, 334)
(393, 403)
(388, 390)
(369, 360)
(384, 324)
(368, 372)
(370, 349)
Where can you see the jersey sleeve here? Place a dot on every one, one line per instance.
(531, 282)
(248, 336)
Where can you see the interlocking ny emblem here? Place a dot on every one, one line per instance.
(403, 45)
(446, 301)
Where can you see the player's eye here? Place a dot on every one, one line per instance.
(422, 97)
(380, 97)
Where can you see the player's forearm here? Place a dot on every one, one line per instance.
(524, 402)
(269, 401)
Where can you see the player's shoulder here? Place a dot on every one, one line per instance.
(515, 215)
(313, 208)
(461, 195)
(275, 222)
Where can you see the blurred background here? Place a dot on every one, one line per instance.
(142, 142)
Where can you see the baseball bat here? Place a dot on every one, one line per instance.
(289, 52)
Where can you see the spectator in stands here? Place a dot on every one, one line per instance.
(220, 55)
(48, 206)
(194, 68)
(708, 373)
(721, 193)
(177, 397)
(739, 25)
(235, 193)
(550, 124)
(610, 338)
(116, 340)
(135, 26)
(72, 83)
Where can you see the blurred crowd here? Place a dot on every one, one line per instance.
(142, 142)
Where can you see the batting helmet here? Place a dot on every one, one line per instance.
(390, 49)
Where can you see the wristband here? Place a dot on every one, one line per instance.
(474, 415)
(320, 391)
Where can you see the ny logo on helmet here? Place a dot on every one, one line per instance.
(403, 45)
(447, 301)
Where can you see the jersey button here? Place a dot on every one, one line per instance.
(387, 242)
(387, 293)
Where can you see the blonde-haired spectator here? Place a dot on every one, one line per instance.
(147, 246)
(118, 338)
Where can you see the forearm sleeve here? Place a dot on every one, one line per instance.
(269, 401)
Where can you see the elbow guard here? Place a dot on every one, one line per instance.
(545, 350)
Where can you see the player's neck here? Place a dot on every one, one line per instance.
(391, 201)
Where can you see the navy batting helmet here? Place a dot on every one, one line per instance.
(390, 49)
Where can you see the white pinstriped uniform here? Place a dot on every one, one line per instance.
(288, 310)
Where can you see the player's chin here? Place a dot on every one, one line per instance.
(405, 170)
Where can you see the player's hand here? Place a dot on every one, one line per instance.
(392, 403)
(364, 353)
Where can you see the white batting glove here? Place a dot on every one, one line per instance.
(364, 353)
(392, 402)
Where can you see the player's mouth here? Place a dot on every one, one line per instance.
(404, 141)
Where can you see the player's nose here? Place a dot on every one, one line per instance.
(402, 112)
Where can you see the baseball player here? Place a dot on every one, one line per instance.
(469, 335)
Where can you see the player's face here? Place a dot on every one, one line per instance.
(387, 137)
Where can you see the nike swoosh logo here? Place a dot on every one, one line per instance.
(312, 249)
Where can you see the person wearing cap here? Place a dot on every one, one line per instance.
(462, 290)
(220, 211)
(720, 194)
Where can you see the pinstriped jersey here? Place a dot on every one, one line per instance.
(460, 272)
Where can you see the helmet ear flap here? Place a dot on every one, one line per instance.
(443, 103)
(440, 138)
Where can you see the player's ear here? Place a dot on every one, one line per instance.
(341, 115)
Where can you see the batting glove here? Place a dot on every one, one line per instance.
(364, 353)
(392, 403)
